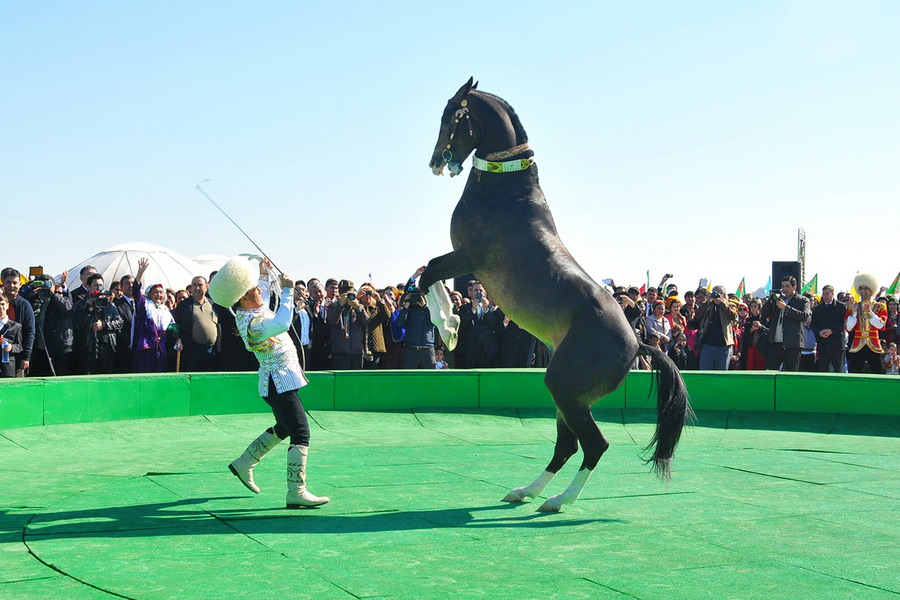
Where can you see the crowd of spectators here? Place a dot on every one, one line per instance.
(710, 329)
(126, 327)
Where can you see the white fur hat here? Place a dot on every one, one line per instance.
(236, 277)
(867, 280)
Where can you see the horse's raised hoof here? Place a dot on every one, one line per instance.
(516, 495)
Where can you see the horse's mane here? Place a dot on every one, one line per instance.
(521, 136)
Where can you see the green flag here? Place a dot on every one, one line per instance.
(812, 286)
(741, 289)
(895, 285)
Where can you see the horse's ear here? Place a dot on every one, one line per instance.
(474, 86)
(464, 90)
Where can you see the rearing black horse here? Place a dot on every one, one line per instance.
(503, 232)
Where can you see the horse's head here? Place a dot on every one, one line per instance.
(456, 138)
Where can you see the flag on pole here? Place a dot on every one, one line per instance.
(895, 285)
(812, 286)
(740, 291)
(643, 289)
(768, 284)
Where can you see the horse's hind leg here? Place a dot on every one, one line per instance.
(579, 419)
(566, 446)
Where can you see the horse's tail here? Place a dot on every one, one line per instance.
(673, 410)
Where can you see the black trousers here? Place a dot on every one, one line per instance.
(831, 358)
(346, 362)
(778, 354)
(857, 361)
(198, 359)
(417, 358)
(290, 416)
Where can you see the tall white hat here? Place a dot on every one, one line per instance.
(867, 280)
(236, 277)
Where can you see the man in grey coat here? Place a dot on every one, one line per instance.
(785, 315)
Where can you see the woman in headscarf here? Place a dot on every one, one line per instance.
(152, 321)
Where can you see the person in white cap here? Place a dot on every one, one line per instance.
(280, 375)
(864, 321)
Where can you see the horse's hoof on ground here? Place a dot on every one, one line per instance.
(550, 506)
(516, 495)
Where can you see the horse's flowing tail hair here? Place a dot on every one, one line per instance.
(672, 407)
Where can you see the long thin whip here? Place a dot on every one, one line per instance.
(208, 197)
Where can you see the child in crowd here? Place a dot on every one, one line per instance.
(439, 362)
(892, 360)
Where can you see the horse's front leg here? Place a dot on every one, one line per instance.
(452, 264)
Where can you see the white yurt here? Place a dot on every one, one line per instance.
(211, 262)
(167, 267)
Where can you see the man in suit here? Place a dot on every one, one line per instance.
(786, 315)
(828, 325)
(320, 334)
(478, 328)
(125, 306)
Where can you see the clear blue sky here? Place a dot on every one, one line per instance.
(690, 137)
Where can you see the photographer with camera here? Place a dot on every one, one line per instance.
(478, 326)
(379, 314)
(347, 321)
(785, 314)
(97, 323)
(54, 335)
(20, 311)
(415, 318)
(716, 320)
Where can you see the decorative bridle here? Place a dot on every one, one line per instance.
(461, 113)
(496, 161)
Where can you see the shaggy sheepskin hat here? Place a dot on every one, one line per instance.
(867, 280)
(237, 277)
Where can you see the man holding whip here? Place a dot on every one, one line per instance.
(280, 376)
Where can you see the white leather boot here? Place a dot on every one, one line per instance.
(242, 467)
(297, 496)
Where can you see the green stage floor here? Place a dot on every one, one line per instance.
(762, 505)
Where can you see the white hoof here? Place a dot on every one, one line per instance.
(552, 504)
(518, 495)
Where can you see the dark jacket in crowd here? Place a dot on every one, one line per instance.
(341, 342)
(24, 316)
(478, 335)
(420, 331)
(99, 346)
(55, 321)
(829, 316)
(516, 344)
(796, 312)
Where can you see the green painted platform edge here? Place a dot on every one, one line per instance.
(40, 401)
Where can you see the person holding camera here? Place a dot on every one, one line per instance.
(54, 328)
(97, 323)
(477, 347)
(785, 314)
(347, 320)
(715, 321)
(379, 314)
(418, 341)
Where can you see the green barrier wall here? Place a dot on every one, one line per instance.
(29, 402)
